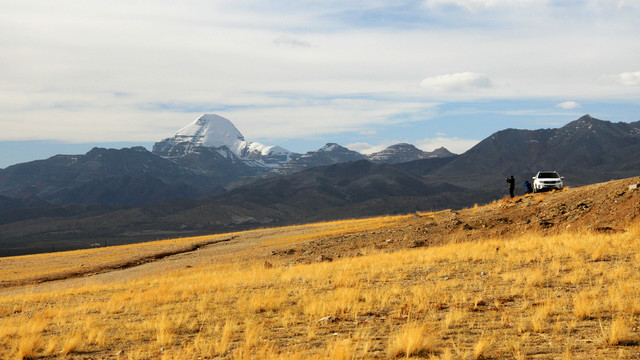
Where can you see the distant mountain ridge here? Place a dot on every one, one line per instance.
(400, 153)
(331, 153)
(210, 134)
(129, 176)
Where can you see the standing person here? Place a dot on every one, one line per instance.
(512, 184)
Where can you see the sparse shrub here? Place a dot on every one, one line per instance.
(50, 349)
(599, 252)
(535, 277)
(252, 334)
(567, 353)
(584, 305)
(28, 346)
(343, 349)
(480, 348)
(516, 345)
(269, 300)
(453, 318)
(446, 355)
(224, 341)
(71, 344)
(524, 325)
(619, 333)
(539, 318)
(166, 328)
(576, 276)
(412, 339)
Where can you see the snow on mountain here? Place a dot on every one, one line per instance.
(406, 152)
(330, 147)
(214, 131)
(210, 130)
(331, 153)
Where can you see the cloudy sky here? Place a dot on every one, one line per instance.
(363, 73)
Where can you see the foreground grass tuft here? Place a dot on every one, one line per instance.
(412, 339)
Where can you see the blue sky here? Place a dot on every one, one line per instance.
(366, 74)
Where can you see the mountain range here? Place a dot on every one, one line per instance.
(198, 182)
(206, 157)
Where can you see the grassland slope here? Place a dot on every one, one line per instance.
(605, 207)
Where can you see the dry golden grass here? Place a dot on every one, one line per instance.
(412, 339)
(481, 347)
(545, 297)
(23, 269)
(35, 268)
(619, 333)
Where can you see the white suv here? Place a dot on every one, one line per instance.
(547, 180)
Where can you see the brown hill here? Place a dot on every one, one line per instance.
(605, 207)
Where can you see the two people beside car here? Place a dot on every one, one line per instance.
(544, 180)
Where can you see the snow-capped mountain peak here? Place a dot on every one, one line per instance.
(214, 131)
(210, 130)
(330, 147)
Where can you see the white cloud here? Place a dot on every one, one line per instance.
(453, 144)
(367, 132)
(62, 63)
(288, 40)
(476, 5)
(365, 148)
(481, 5)
(568, 105)
(313, 116)
(456, 82)
(629, 78)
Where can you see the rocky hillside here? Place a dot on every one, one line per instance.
(584, 151)
(604, 207)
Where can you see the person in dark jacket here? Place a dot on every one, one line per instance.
(527, 185)
(512, 184)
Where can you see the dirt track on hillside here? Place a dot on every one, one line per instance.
(605, 207)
